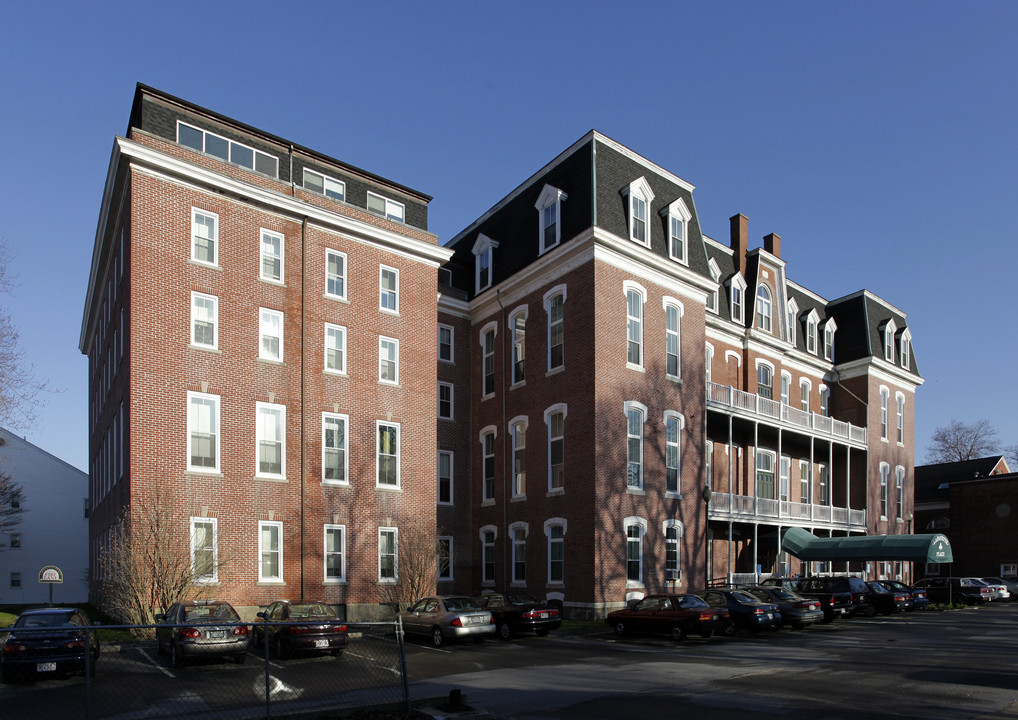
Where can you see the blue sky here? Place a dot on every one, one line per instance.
(877, 138)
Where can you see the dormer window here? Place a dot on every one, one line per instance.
(227, 150)
(324, 185)
(483, 261)
(812, 320)
(678, 216)
(386, 208)
(793, 313)
(712, 295)
(889, 330)
(549, 208)
(763, 308)
(905, 352)
(639, 197)
(737, 288)
(829, 327)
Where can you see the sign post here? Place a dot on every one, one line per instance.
(51, 575)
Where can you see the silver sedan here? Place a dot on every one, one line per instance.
(447, 617)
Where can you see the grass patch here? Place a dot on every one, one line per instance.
(6, 619)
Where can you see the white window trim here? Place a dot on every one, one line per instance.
(899, 493)
(484, 546)
(805, 398)
(792, 314)
(483, 244)
(556, 409)
(884, 499)
(825, 400)
(899, 418)
(680, 420)
(678, 210)
(627, 407)
(382, 269)
(491, 327)
(194, 318)
(548, 525)
(282, 256)
(548, 297)
(261, 550)
(215, 551)
(337, 253)
(395, 555)
(281, 410)
(513, 529)
(378, 454)
(341, 349)
(452, 402)
(737, 309)
(770, 367)
(451, 544)
(829, 326)
(670, 302)
(262, 354)
(635, 521)
(452, 343)
(346, 448)
(438, 495)
(639, 188)
(711, 303)
(390, 205)
(629, 286)
(708, 362)
(904, 351)
(549, 196)
(325, 180)
(763, 322)
(215, 239)
(484, 433)
(786, 387)
(890, 328)
(325, 554)
(885, 417)
(521, 311)
(395, 343)
(217, 411)
(511, 429)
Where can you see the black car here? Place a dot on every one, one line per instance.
(955, 590)
(888, 601)
(519, 611)
(50, 641)
(197, 628)
(839, 596)
(796, 610)
(744, 610)
(307, 626)
(917, 596)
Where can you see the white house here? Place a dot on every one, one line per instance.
(53, 529)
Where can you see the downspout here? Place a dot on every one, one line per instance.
(303, 410)
(506, 451)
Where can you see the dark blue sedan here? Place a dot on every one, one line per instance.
(745, 611)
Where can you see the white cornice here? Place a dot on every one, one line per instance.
(879, 370)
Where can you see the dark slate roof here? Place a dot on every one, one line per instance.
(931, 481)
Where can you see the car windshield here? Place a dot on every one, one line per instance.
(461, 603)
(522, 598)
(692, 601)
(878, 588)
(782, 594)
(207, 613)
(42, 620)
(743, 597)
(311, 610)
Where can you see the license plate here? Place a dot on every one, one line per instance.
(544, 616)
(45, 667)
(321, 643)
(475, 620)
(217, 633)
(714, 618)
(770, 616)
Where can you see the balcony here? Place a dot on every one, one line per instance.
(739, 402)
(726, 506)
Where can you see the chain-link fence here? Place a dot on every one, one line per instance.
(40, 676)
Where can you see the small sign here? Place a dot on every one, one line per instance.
(51, 574)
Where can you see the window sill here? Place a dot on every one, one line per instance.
(389, 488)
(334, 583)
(674, 378)
(272, 478)
(446, 580)
(206, 348)
(554, 584)
(520, 384)
(336, 373)
(518, 584)
(270, 281)
(270, 361)
(389, 383)
(271, 583)
(638, 368)
(448, 419)
(488, 583)
(523, 498)
(635, 585)
(208, 583)
(635, 491)
(199, 263)
(337, 298)
(391, 313)
(445, 504)
(489, 396)
(671, 495)
(335, 484)
(203, 473)
(555, 371)
(555, 492)
(488, 503)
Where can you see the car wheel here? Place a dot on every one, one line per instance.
(728, 629)
(176, 658)
(505, 631)
(870, 611)
(542, 633)
(677, 633)
(240, 658)
(437, 638)
(620, 628)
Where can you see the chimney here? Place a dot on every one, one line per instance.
(740, 241)
(772, 244)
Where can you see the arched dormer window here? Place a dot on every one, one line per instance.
(829, 328)
(812, 321)
(905, 352)
(793, 313)
(483, 251)
(638, 199)
(549, 210)
(890, 328)
(737, 298)
(678, 216)
(712, 295)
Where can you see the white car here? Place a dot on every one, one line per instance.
(999, 591)
(1000, 586)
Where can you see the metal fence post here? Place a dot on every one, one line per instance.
(402, 661)
(88, 669)
(265, 638)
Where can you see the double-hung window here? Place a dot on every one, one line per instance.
(272, 256)
(271, 439)
(804, 390)
(763, 309)
(335, 348)
(488, 464)
(445, 463)
(518, 327)
(518, 533)
(487, 555)
(445, 343)
(519, 438)
(636, 414)
(388, 554)
(900, 418)
(388, 360)
(884, 396)
(204, 237)
(673, 530)
(635, 298)
(673, 456)
(764, 474)
(270, 551)
(335, 553)
(324, 185)
(335, 274)
(444, 560)
(204, 320)
(825, 485)
(673, 314)
(549, 207)
(387, 454)
(203, 432)
(638, 199)
(811, 332)
(204, 565)
(805, 495)
(678, 227)
(334, 443)
(635, 529)
(555, 305)
(885, 471)
(389, 209)
(899, 492)
(270, 334)
(555, 419)
(765, 381)
(488, 359)
(388, 287)
(445, 406)
(556, 552)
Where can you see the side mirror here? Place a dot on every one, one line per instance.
(261, 615)
(159, 618)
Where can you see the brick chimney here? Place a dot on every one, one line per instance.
(740, 241)
(772, 244)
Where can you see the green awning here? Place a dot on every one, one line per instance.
(917, 548)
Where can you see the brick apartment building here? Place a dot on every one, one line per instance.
(252, 325)
(620, 361)
(268, 355)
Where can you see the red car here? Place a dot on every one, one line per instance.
(306, 626)
(673, 615)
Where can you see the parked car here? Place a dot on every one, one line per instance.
(918, 599)
(447, 617)
(888, 601)
(999, 589)
(744, 610)
(955, 589)
(519, 611)
(305, 626)
(1010, 583)
(49, 641)
(796, 610)
(198, 628)
(674, 615)
(843, 595)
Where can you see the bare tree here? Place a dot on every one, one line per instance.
(1011, 452)
(11, 495)
(148, 563)
(19, 388)
(416, 566)
(959, 441)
